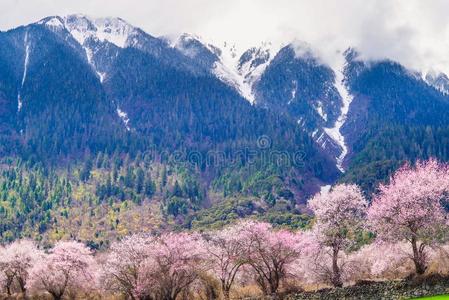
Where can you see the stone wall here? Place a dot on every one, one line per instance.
(392, 290)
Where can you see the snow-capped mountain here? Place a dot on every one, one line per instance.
(438, 80)
(253, 62)
(295, 83)
(141, 77)
(101, 36)
(239, 69)
(323, 117)
(197, 49)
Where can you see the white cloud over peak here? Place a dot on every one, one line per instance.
(413, 32)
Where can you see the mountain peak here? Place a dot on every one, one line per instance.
(54, 21)
(113, 30)
(438, 80)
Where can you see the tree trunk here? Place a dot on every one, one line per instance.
(9, 281)
(274, 284)
(418, 258)
(226, 293)
(336, 274)
(56, 296)
(22, 286)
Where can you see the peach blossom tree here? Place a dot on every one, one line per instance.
(271, 254)
(340, 217)
(16, 260)
(226, 250)
(410, 208)
(68, 267)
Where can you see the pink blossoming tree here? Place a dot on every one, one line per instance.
(69, 267)
(340, 216)
(271, 254)
(124, 270)
(226, 251)
(16, 260)
(410, 208)
(174, 264)
(146, 267)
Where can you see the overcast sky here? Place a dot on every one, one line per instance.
(413, 32)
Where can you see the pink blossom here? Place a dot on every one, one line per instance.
(16, 260)
(270, 255)
(340, 216)
(69, 267)
(381, 260)
(410, 208)
(124, 270)
(143, 267)
(174, 264)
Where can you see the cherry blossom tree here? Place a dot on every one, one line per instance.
(340, 216)
(270, 255)
(175, 262)
(16, 260)
(69, 267)
(147, 267)
(226, 251)
(124, 269)
(410, 208)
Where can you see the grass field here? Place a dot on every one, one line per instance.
(440, 297)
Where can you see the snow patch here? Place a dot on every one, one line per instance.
(335, 132)
(19, 103)
(27, 57)
(53, 22)
(293, 92)
(25, 70)
(112, 30)
(320, 111)
(124, 116)
(226, 70)
(89, 55)
(437, 80)
(243, 76)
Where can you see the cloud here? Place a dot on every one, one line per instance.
(413, 32)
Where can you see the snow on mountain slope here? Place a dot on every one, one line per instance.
(253, 62)
(124, 117)
(91, 34)
(231, 65)
(438, 80)
(242, 70)
(195, 47)
(25, 69)
(239, 69)
(335, 131)
(226, 69)
(89, 31)
(55, 22)
(112, 30)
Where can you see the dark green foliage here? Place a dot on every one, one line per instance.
(312, 83)
(390, 147)
(85, 170)
(396, 117)
(27, 196)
